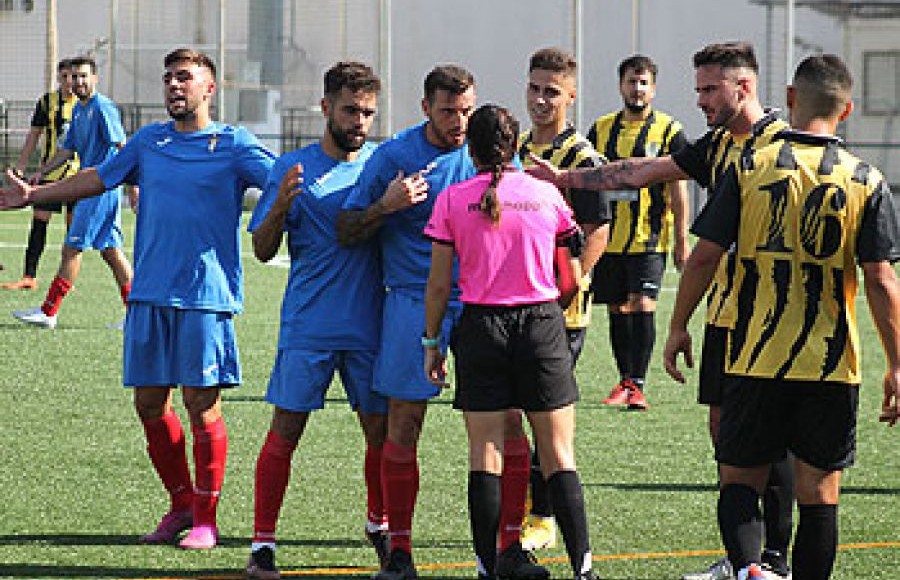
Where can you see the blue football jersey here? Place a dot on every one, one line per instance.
(187, 237)
(334, 294)
(406, 253)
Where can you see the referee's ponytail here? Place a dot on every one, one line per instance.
(493, 139)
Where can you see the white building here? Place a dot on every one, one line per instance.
(275, 51)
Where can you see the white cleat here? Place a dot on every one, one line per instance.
(720, 570)
(35, 317)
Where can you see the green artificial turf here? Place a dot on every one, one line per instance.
(77, 487)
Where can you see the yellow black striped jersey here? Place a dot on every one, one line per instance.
(570, 150)
(706, 161)
(52, 114)
(641, 219)
(801, 213)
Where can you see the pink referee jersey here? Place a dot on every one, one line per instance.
(509, 263)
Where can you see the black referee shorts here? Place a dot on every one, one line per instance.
(512, 357)
(762, 419)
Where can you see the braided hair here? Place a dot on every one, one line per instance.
(493, 134)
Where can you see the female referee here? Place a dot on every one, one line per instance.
(513, 235)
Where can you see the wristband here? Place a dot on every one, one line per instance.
(430, 342)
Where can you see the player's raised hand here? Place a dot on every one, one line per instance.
(543, 169)
(679, 341)
(890, 405)
(291, 186)
(16, 194)
(404, 191)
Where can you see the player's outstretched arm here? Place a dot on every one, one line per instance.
(883, 296)
(267, 237)
(632, 173)
(17, 194)
(695, 280)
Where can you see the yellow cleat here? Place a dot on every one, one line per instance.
(538, 533)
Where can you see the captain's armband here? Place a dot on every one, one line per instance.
(574, 242)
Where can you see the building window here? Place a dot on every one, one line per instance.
(881, 82)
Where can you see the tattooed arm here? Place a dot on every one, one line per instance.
(631, 173)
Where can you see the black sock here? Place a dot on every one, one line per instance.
(740, 523)
(37, 239)
(620, 339)
(643, 337)
(816, 542)
(484, 517)
(778, 506)
(568, 505)
(540, 499)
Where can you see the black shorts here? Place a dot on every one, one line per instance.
(762, 419)
(617, 275)
(576, 338)
(512, 357)
(712, 365)
(54, 206)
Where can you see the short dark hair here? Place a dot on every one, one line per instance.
(192, 56)
(84, 61)
(737, 54)
(63, 63)
(824, 84)
(448, 77)
(553, 59)
(638, 63)
(493, 135)
(352, 75)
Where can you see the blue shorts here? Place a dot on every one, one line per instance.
(300, 379)
(96, 223)
(400, 369)
(167, 346)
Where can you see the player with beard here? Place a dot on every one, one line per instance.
(331, 314)
(394, 198)
(95, 135)
(51, 119)
(802, 216)
(179, 330)
(627, 277)
(726, 77)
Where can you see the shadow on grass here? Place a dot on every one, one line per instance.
(46, 571)
(708, 488)
(656, 487)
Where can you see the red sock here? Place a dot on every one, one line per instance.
(513, 489)
(55, 294)
(124, 291)
(374, 495)
(273, 470)
(210, 450)
(400, 478)
(165, 445)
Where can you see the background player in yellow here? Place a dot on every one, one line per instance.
(51, 118)
(550, 92)
(726, 86)
(644, 219)
(801, 214)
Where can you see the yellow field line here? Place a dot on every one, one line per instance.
(557, 560)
